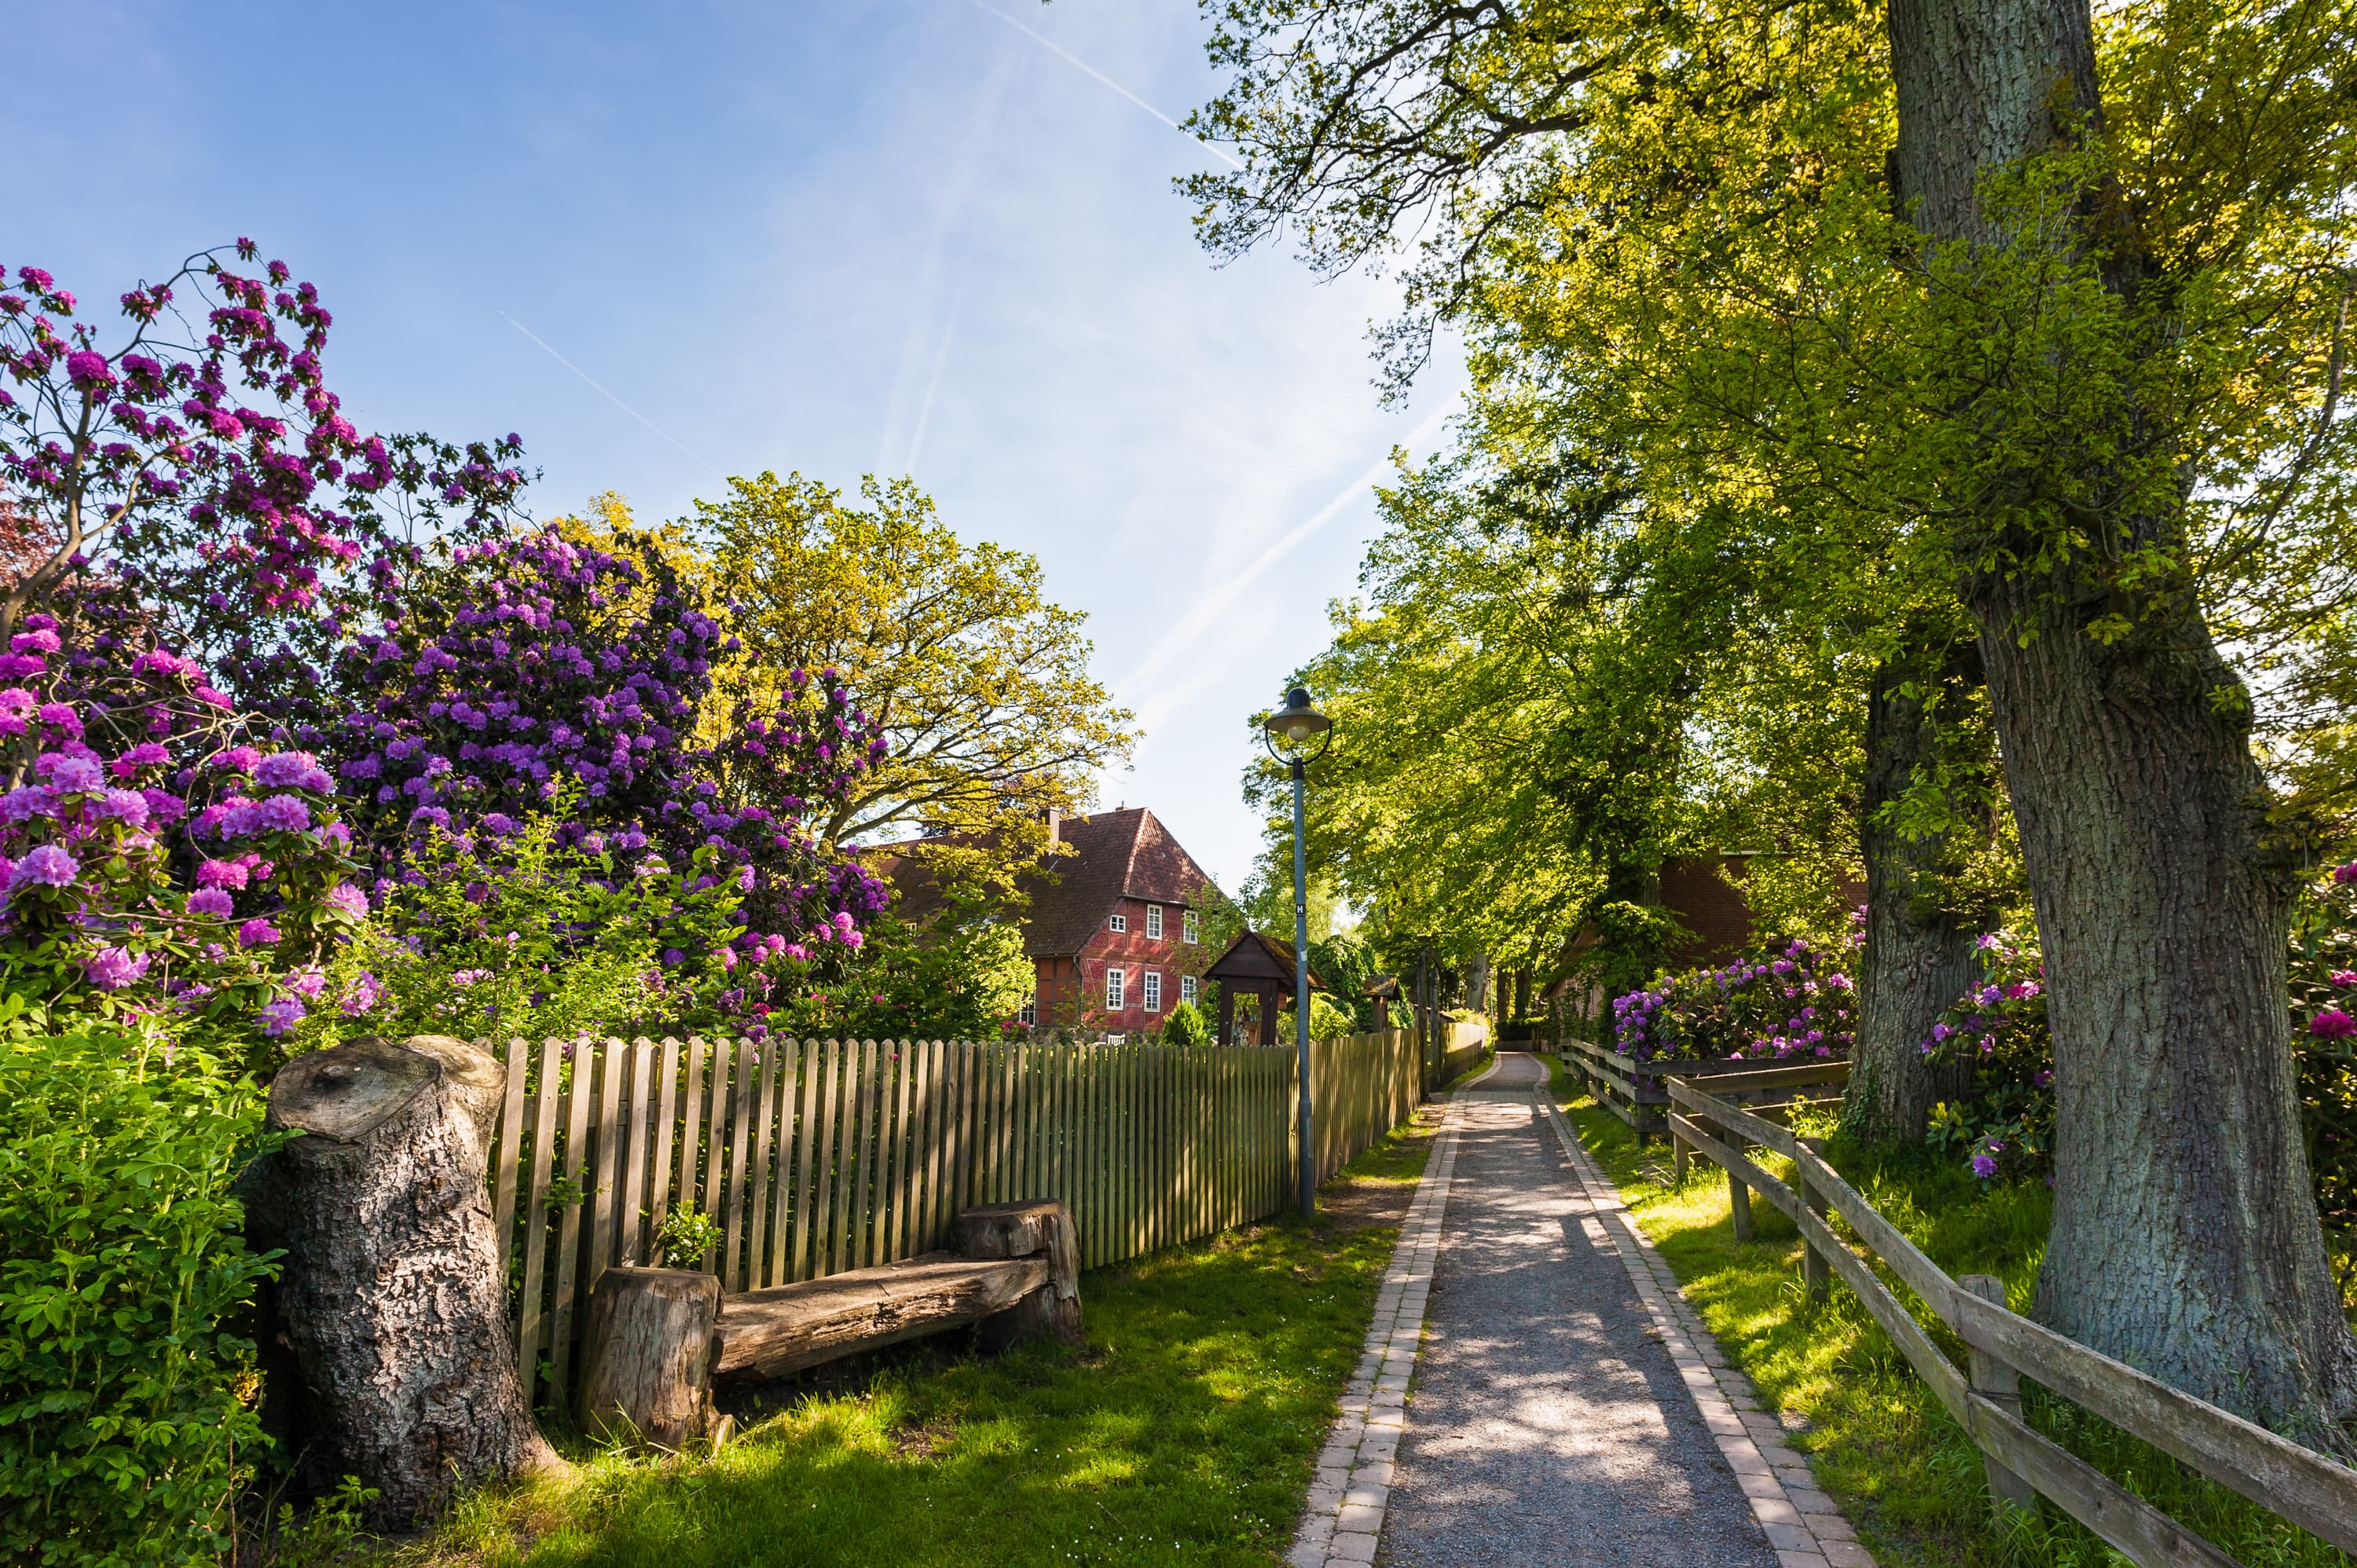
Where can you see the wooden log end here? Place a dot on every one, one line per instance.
(646, 1376)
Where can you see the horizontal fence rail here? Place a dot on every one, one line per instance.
(1637, 1092)
(815, 1157)
(2294, 1483)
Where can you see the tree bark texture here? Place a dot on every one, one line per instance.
(390, 1302)
(646, 1373)
(1037, 1227)
(2185, 1239)
(1918, 944)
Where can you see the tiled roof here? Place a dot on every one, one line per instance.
(1115, 854)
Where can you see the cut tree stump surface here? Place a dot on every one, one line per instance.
(1567, 1406)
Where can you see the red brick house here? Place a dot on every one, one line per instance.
(1117, 934)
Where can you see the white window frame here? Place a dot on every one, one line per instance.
(1150, 989)
(1028, 1014)
(1116, 988)
(1187, 983)
(1153, 922)
(1116, 921)
(1190, 926)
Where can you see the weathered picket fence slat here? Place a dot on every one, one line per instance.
(815, 1157)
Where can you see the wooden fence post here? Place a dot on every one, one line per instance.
(1816, 1272)
(1997, 1382)
(1678, 1160)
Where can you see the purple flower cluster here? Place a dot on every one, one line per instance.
(1782, 1002)
(534, 658)
(87, 858)
(2004, 1123)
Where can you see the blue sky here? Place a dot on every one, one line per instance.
(841, 238)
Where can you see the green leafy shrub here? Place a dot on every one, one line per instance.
(518, 934)
(1186, 1025)
(686, 1234)
(124, 1418)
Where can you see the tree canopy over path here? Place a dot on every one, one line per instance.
(1973, 366)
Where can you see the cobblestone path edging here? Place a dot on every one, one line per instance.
(1802, 1523)
(1345, 1513)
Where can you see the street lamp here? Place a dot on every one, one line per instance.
(1289, 734)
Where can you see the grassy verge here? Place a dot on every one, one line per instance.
(1183, 1433)
(1902, 1468)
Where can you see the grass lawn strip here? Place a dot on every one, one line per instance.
(1897, 1463)
(1184, 1434)
(1343, 1517)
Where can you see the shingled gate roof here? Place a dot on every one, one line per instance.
(1115, 854)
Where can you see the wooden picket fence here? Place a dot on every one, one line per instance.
(820, 1156)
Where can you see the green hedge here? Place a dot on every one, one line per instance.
(126, 1409)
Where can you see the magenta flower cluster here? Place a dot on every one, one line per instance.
(211, 421)
(1782, 1002)
(89, 893)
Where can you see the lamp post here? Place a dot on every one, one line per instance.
(1296, 726)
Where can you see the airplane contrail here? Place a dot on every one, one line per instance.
(609, 397)
(1071, 59)
(1213, 605)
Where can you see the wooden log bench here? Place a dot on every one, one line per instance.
(658, 1339)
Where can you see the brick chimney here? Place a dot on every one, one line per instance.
(1055, 826)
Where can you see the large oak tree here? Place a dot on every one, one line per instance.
(2060, 326)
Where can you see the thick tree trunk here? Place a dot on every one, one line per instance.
(390, 1302)
(2185, 1236)
(1918, 943)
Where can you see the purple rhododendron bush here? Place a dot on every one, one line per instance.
(2003, 1127)
(1787, 1000)
(308, 734)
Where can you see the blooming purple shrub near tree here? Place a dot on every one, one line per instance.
(1793, 1001)
(2005, 1126)
(525, 661)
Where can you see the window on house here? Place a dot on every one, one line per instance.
(1118, 922)
(1030, 1012)
(1153, 991)
(1186, 988)
(1190, 926)
(1153, 921)
(1116, 985)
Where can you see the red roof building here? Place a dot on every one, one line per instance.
(1115, 929)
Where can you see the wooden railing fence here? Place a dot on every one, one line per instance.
(2294, 1483)
(816, 1157)
(1634, 1090)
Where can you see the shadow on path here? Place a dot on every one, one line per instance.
(1547, 1423)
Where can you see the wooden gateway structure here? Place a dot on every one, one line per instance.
(1261, 966)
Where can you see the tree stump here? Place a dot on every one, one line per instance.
(646, 1375)
(390, 1305)
(1023, 1231)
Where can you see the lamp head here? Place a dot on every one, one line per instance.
(1296, 724)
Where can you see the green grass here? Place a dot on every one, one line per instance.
(1183, 1433)
(1902, 1469)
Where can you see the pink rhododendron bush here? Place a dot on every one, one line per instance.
(2004, 1125)
(1788, 999)
(307, 733)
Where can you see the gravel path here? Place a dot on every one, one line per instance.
(1548, 1424)
(1569, 1408)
